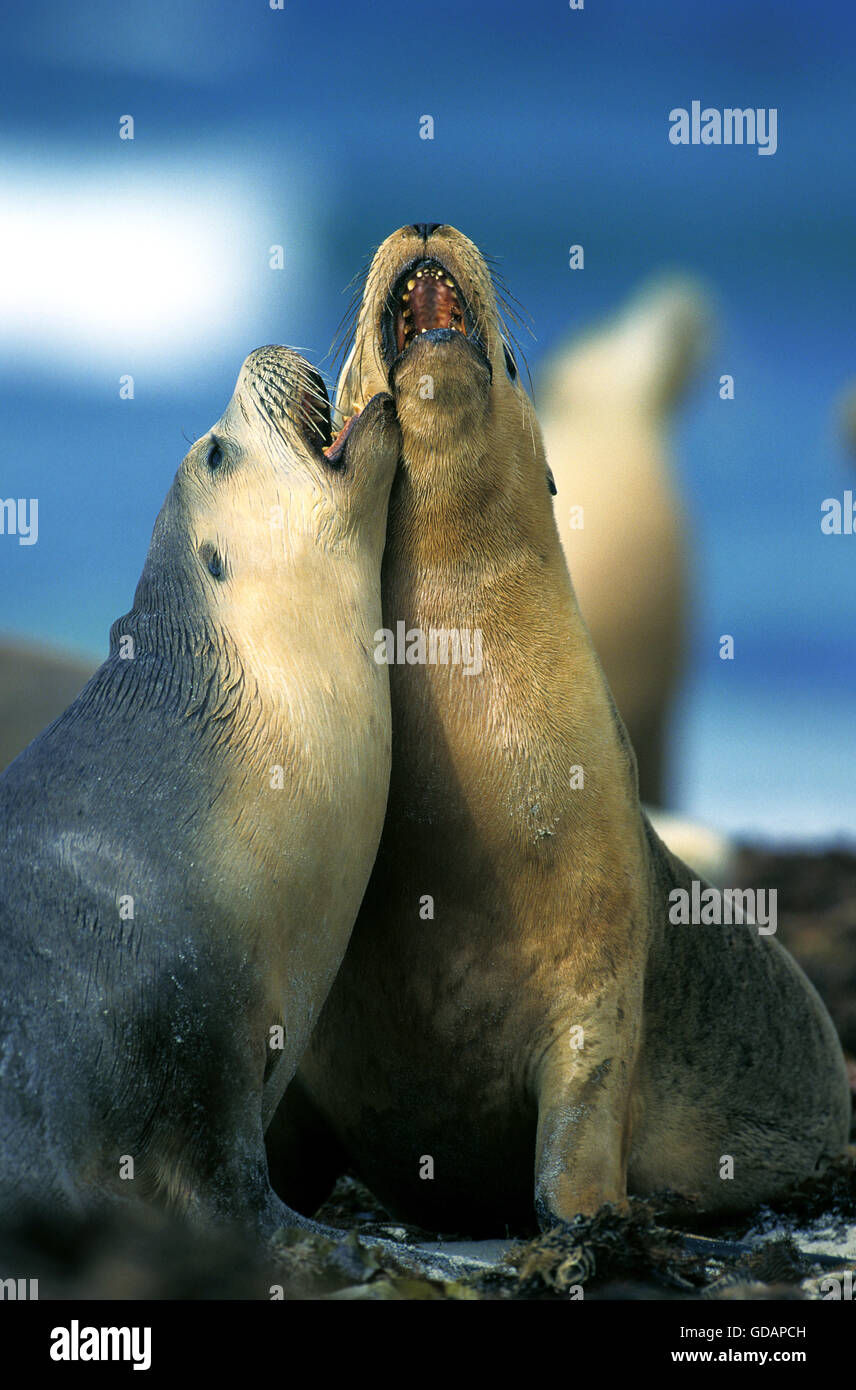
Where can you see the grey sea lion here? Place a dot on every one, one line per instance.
(183, 851)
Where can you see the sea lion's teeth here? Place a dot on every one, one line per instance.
(418, 277)
(411, 283)
(405, 298)
(450, 282)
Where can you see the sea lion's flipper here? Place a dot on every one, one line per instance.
(583, 1087)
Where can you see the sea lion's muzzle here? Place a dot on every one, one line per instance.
(290, 394)
(465, 370)
(336, 453)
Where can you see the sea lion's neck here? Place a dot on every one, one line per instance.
(468, 506)
(534, 729)
(176, 661)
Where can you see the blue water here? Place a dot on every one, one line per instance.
(300, 128)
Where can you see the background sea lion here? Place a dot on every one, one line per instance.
(36, 685)
(182, 853)
(847, 415)
(603, 405)
(513, 999)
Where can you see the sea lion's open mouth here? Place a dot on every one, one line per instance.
(335, 449)
(312, 414)
(423, 298)
(291, 394)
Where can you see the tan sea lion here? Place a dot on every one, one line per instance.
(516, 1018)
(604, 404)
(183, 852)
(847, 417)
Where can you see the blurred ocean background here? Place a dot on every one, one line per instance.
(300, 127)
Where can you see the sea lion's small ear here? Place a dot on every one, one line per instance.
(551, 482)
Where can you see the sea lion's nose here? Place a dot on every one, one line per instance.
(424, 229)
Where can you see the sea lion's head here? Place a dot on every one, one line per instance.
(264, 499)
(430, 331)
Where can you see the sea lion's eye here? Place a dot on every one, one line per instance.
(214, 457)
(212, 559)
(510, 364)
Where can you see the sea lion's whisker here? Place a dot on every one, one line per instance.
(345, 330)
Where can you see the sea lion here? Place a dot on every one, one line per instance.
(514, 1003)
(183, 852)
(603, 405)
(36, 685)
(847, 417)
